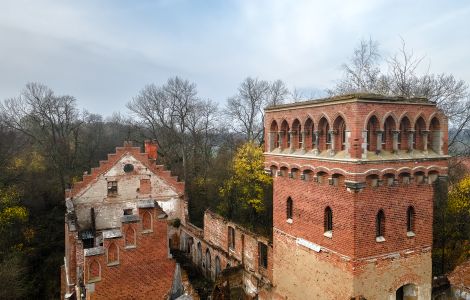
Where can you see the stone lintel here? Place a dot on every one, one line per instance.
(130, 219)
(94, 251)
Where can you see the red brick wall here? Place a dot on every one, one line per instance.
(394, 201)
(309, 202)
(246, 243)
(349, 254)
(356, 115)
(143, 272)
(354, 214)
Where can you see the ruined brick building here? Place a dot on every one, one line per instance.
(353, 196)
(353, 180)
(117, 228)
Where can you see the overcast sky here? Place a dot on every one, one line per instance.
(104, 52)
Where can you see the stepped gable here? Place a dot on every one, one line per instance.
(113, 158)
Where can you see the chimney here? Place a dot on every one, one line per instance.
(127, 143)
(151, 148)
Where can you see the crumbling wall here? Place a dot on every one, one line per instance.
(109, 208)
(302, 273)
(143, 271)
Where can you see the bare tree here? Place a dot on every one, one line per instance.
(52, 122)
(277, 93)
(172, 114)
(246, 108)
(363, 74)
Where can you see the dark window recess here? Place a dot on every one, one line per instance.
(128, 211)
(112, 188)
(231, 237)
(328, 219)
(128, 168)
(263, 255)
(289, 208)
(380, 224)
(88, 243)
(88, 239)
(410, 219)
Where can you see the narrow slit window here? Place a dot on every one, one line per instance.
(289, 208)
(231, 237)
(263, 255)
(328, 219)
(380, 224)
(410, 216)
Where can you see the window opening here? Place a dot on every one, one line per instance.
(112, 188)
(262, 255)
(231, 237)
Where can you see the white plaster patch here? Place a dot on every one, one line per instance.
(308, 244)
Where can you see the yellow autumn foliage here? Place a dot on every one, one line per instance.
(459, 196)
(249, 179)
(10, 210)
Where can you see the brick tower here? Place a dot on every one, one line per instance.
(353, 196)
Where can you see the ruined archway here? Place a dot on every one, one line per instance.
(407, 292)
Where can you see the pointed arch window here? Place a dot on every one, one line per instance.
(217, 266)
(380, 226)
(147, 224)
(130, 238)
(94, 271)
(289, 209)
(113, 255)
(328, 222)
(410, 221)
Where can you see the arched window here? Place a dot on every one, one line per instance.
(297, 135)
(208, 263)
(419, 177)
(324, 138)
(339, 129)
(389, 179)
(372, 180)
(285, 135)
(435, 135)
(273, 171)
(283, 171)
(130, 237)
(387, 136)
(405, 126)
(307, 175)
(328, 221)
(94, 271)
(199, 254)
(432, 176)
(420, 127)
(405, 178)
(294, 173)
(380, 224)
(113, 254)
(217, 266)
(372, 128)
(289, 208)
(147, 221)
(231, 237)
(309, 135)
(274, 136)
(410, 216)
(321, 177)
(337, 180)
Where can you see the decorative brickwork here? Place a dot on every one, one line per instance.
(347, 170)
(116, 244)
